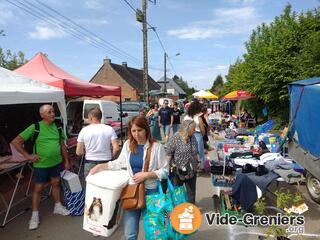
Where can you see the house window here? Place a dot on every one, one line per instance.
(127, 99)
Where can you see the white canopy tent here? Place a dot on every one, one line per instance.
(205, 94)
(18, 89)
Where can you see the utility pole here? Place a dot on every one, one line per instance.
(165, 73)
(145, 52)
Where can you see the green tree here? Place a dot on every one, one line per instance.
(217, 85)
(184, 85)
(278, 53)
(10, 60)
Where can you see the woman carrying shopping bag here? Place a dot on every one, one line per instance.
(138, 150)
(182, 150)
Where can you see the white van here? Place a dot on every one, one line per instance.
(77, 113)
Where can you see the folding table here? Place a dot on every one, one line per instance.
(6, 168)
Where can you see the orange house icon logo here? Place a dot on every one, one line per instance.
(186, 218)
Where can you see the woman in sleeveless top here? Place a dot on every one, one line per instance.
(153, 116)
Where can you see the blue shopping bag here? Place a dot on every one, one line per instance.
(156, 215)
(178, 194)
(74, 201)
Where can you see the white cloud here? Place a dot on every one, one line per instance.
(5, 16)
(93, 4)
(46, 33)
(234, 14)
(225, 21)
(221, 67)
(242, 2)
(194, 33)
(228, 46)
(102, 5)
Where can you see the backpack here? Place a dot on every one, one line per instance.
(32, 142)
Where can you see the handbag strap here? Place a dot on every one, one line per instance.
(147, 162)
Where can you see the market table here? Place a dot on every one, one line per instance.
(7, 167)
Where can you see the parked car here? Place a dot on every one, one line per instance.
(133, 108)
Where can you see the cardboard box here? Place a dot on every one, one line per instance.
(71, 180)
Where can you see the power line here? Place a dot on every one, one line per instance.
(129, 4)
(67, 28)
(88, 31)
(70, 27)
(62, 26)
(26, 9)
(156, 33)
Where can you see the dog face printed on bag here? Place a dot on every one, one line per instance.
(95, 210)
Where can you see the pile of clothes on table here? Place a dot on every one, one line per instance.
(253, 161)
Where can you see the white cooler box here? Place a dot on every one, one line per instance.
(102, 201)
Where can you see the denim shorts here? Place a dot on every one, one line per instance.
(166, 129)
(43, 175)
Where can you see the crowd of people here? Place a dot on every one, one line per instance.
(180, 155)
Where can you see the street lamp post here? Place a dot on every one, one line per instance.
(165, 70)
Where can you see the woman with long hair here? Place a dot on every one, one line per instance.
(153, 116)
(132, 157)
(182, 150)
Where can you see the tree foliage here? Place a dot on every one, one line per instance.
(217, 85)
(10, 60)
(278, 53)
(184, 85)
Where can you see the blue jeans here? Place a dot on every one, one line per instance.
(131, 220)
(199, 138)
(175, 128)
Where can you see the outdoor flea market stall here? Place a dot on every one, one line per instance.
(247, 162)
(20, 98)
(42, 69)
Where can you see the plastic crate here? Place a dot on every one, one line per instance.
(224, 210)
(220, 183)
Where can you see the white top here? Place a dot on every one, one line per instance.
(196, 121)
(158, 163)
(97, 141)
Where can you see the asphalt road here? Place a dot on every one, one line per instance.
(55, 227)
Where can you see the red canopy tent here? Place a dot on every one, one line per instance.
(42, 69)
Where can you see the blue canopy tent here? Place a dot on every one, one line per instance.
(305, 123)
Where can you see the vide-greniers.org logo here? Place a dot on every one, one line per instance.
(250, 219)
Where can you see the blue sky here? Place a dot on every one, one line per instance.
(208, 34)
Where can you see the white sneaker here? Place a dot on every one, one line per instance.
(34, 223)
(59, 209)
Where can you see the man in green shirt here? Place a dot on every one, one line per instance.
(50, 149)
